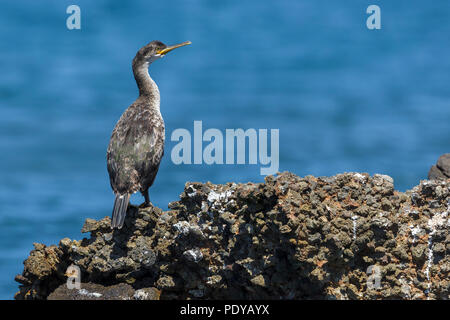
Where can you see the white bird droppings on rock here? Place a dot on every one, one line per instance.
(194, 255)
(84, 292)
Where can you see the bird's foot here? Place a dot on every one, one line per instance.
(146, 205)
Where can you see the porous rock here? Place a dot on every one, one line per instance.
(350, 236)
(441, 170)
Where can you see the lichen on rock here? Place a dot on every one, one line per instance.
(286, 238)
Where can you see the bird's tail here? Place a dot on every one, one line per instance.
(120, 210)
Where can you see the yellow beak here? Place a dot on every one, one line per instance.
(170, 48)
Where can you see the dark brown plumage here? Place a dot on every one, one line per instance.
(137, 141)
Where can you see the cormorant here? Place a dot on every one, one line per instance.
(137, 141)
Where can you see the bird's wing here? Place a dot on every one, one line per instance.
(135, 150)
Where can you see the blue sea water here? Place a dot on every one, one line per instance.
(345, 98)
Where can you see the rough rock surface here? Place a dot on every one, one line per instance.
(93, 291)
(350, 236)
(441, 170)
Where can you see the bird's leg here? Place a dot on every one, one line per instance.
(147, 199)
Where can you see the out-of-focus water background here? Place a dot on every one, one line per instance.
(345, 98)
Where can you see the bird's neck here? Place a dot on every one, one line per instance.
(147, 87)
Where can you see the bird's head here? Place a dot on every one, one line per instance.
(153, 51)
